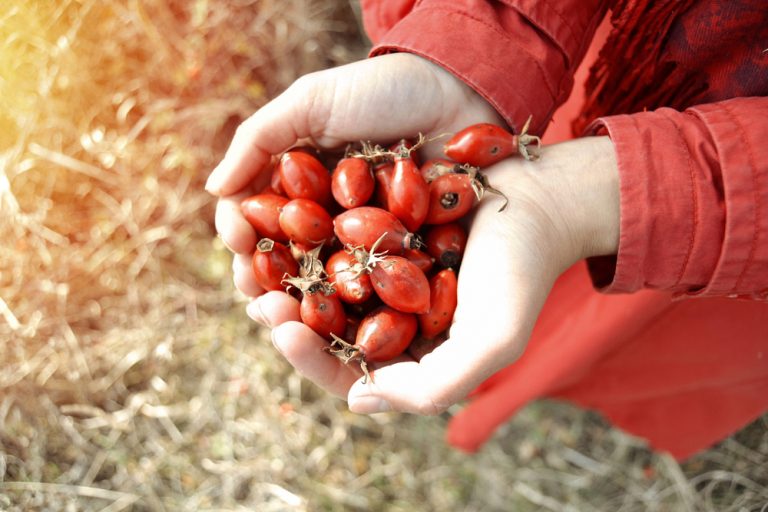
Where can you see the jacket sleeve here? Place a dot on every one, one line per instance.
(694, 201)
(519, 55)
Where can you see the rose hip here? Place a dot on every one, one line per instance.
(262, 211)
(442, 289)
(306, 222)
(419, 258)
(383, 334)
(304, 176)
(451, 197)
(400, 284)
(323, 313)
(353, 287)
(408, 195)
(352, 182)
(271, 263)
(446, 243)
(484, 144)
(382, 172)
(363, 226)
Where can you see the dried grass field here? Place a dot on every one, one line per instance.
(130, 376)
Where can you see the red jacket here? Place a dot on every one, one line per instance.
(681, 89)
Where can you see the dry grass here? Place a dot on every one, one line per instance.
(130, 378)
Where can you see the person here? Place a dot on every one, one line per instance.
(614, 277)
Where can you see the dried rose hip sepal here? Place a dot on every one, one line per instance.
(480, 183)
(382, 335)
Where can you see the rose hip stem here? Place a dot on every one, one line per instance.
(349, 352)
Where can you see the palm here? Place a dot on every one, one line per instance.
(388, 98)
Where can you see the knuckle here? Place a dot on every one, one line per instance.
(430, 404)
(304, 83)
(243, 130)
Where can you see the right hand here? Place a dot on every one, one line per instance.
(382, 99)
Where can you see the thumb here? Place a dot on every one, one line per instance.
(497, 306)
(274, 128)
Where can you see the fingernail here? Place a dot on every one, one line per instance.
(229, 248)
(254, 311)
(274, 341)
(368, 405)
(213, 184)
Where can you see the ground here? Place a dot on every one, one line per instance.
(131, 378)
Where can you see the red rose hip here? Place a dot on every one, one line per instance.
(306, 222)
(271, 263)
(400, 284)
(363, 226)
(262, 211)
(442, 289)
(304, 176)
(352, 182)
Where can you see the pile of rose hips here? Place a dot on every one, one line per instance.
(372, 249)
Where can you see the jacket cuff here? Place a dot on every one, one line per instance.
(738, 129)
(502, 57)
(669, 215)
(693, 202)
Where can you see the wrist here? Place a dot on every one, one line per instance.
(573, 191)
(585, 174)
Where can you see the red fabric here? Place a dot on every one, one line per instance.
(485, 43)
(694, 217)
(708, 189)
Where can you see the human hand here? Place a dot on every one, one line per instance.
(562, 208)
(381, 99)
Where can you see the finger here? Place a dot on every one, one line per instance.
(305, 350)
(274, 308)
(439, 380)
(236, 233)
(274, 128)
(243, 276)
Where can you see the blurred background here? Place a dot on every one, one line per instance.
(130, 376)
